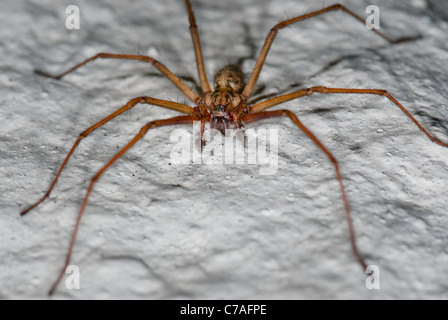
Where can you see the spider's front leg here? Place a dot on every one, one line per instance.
(280, 113)
(164, 70)
(132, 103)
(257, 113)
(150, 125)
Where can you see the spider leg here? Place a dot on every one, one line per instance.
(146, 100)
(150, 125)
(309, 91)
(203, 142)
(278, 113)
(164, 70)
(197, 49)
(250, 85)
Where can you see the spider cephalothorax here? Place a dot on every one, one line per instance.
(223, 103)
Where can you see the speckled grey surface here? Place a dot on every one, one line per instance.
(155, 230)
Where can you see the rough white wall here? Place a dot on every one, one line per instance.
(155, 230)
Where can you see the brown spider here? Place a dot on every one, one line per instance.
(225, 107)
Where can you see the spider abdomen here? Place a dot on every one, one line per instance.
(229, 77)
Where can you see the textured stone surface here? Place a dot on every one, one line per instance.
(155, 230)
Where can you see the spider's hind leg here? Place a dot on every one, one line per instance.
(156, 64)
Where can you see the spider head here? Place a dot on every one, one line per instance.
(221, 102)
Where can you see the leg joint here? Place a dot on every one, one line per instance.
(338, 6)
(84, 134)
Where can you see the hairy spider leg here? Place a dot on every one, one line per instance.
(144, 100)
(150, 125)
(250, 85)
(197, 49)
(279, 113)
(309, 91)
(164, 70)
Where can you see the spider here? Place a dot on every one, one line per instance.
(224, 107)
